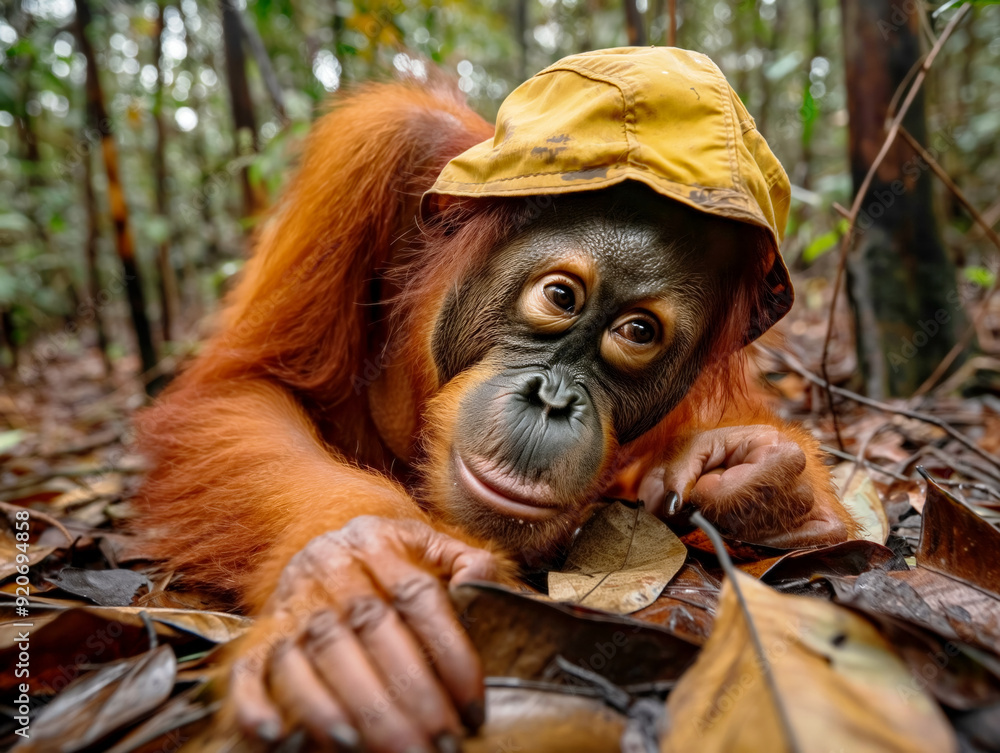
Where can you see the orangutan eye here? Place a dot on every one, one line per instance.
(554, 302)
(561, 296)
(640, 331)
(637, 337)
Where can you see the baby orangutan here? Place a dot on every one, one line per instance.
(451, 345)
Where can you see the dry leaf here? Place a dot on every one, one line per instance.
(532, 721)
(862, 502)
(100, 703)
(839, 684)
(620, 562)
(932, 636)
(846, 558)
(105, 486)
(687, 606)
(108, 588)
(72, 640)
(520, 636)
(170, 726)
(956, 542)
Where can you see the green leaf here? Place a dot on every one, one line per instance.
(980, 276)
(820, 245)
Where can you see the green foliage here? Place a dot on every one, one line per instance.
(981, 276)
(823, 243)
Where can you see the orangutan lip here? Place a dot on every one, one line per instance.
(499, 501)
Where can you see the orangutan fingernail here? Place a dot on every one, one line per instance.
(673, 503)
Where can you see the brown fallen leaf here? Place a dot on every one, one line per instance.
(65, 642)
(620, 562)
(520, 636)
(826, 681)
(972, 614)
(956, 542)
(845, 558)
(938, 626)
(687, 606)
(533, 721)
(174, 724)
(108, 588)
(100, 703)
(861, 500)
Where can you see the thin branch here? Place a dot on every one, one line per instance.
(795, 365)
(859, 197)
(762, 660)
(44, 517)
(990, 233)
(867, 464)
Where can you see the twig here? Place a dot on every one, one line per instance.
(44, 517)
(874, 468)
(898, 94)
(979, 487)
(859, 197)
(795, 365)
(762, 661)
(841, 210)
(866, 463)
(861, 462)
(990, 233)
(968, 469)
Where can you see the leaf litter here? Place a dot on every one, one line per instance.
(890, 642)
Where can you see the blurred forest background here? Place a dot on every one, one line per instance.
(126, 207)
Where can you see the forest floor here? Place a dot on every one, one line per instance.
(898, 646)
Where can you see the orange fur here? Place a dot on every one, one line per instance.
(268, 438)
(259, 444)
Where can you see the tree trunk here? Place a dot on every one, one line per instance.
(901, 282)
(522, 40)
(267, 72)
(815, 48)
(209, 233)
(97, 116)
(771, 45)
(93, 268)
(633, 24)
(167, 276)
(8, 336)
(244, 122)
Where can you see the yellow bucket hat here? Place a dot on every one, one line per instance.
(662, 116)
